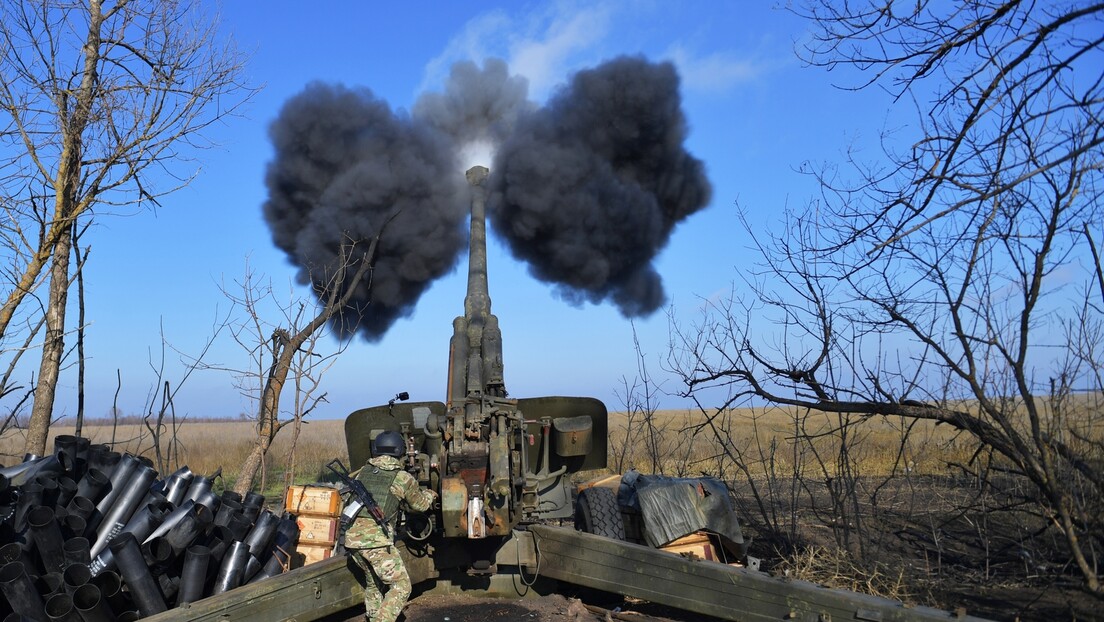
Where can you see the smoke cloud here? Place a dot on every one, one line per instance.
(478, 105)
(345, 165)
(588, 188)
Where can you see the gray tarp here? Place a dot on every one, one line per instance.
(674, 507)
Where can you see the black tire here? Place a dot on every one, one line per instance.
(596, 512)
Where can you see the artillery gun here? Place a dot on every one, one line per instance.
(495, 461)
(503, 466)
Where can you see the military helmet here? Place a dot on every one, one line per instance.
(389, 443)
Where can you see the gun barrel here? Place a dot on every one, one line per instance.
(477, 303)
(475, 358)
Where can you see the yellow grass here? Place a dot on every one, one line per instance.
(206, 446)
(684, 443)
(688, 442)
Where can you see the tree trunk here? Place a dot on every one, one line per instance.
(268, 418)
(66, 209)
(52, 349)
(284, 348)
(251, 466)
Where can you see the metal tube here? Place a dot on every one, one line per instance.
(74, 576)
(59, 608)
(260, 536)
(233, 565)
(13, 552)
(47, 537)
(80, 506)
(102, 458)
(192, 524)
(158, 555)
(218, 542)
(210, 501)
(76, 551)
(283, 547)
(199, 484)
(50, 489)
(141, 584)
(65, 449)
(91, 605)
(116, 480)
(193, 577)
(21, 473)
(477, 303)
(67, 489)
(170, 585)
(93, 485)
(239, 525)
(171, 519)
(49, 583)
(251, 506)
(111, 591)
(228, 507)
(102, 563)
(176, 485)
(73, 526)
(17, 587)
(119, 513)
(30, 496)
(147, 518)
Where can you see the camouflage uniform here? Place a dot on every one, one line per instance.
(373, 550)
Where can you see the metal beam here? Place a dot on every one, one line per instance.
(306, 593)
(708, 588)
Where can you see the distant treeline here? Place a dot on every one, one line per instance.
(20, 421)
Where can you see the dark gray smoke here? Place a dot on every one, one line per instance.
(589, 187)
(345, 164)
(586, 189)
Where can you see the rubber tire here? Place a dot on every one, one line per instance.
(596, 512)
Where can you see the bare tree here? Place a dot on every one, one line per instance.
(289, 348)
(99, 98)
(955, 282)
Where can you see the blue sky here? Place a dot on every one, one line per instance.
(755, 114)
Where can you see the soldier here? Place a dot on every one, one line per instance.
(372, 548)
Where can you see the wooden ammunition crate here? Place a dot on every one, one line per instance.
(307, 554)
(318, 529)
(697, 544)
(316, 500)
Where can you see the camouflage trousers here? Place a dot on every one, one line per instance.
(384, 571)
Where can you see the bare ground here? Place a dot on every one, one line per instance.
(934, 542)
(551, 608)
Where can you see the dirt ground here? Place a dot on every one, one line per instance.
(551, 608)
(997, 603)
(554, 608)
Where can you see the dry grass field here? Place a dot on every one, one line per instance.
(689, 442)
(682, 441)
(206, 446)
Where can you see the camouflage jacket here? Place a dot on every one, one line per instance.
(364, 533)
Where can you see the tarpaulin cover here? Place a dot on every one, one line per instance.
(674, 507)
